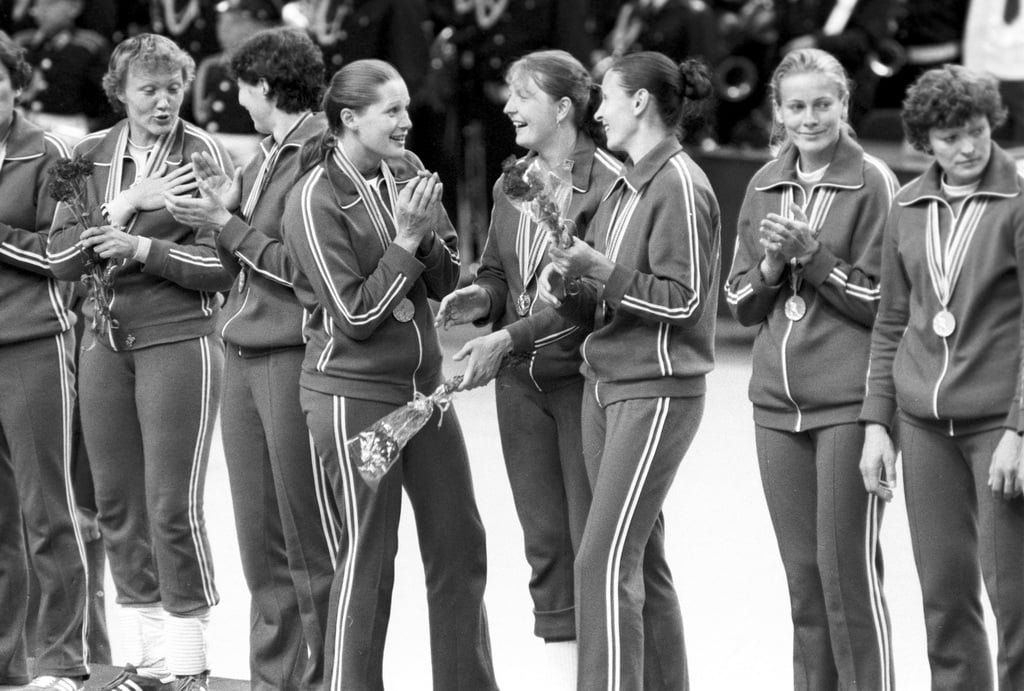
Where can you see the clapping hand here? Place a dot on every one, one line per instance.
(228, 188)
(788, 239)
(416, 211)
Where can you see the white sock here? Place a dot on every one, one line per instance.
(562, 660)
(186, 644)
(144, 639)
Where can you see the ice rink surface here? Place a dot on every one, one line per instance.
(720, 544)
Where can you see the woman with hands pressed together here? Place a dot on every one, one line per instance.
(649, 292)
(945, 360)
(284, 514)
(538, 397)
(370, 243)
(150, 370)
(806, 272)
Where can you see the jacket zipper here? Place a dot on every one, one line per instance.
(785, 378)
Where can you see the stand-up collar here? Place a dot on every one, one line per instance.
(25, 140)
(846, 169)
(638, 174)
(1000, 179)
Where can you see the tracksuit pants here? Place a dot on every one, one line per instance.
(37, 506)
(827, 528)
(148, 418)
(434, 470)
(285, 517)
(541, 441)
(960, 532)
(628, 618)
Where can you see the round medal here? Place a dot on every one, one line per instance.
(944, 323)
(404, 310)
(795, 308)
(523, 305)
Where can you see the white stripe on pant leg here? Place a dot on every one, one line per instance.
(67, 411)
(351, 525)
(321, 487)
(618, 542)
(195, 498)
(877, 599)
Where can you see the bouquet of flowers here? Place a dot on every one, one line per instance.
(543, 194)
(67, 186)
(379, 446)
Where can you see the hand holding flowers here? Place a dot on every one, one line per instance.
(68, 186)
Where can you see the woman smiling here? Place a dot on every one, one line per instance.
(806, 273)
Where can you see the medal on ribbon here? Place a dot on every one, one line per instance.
(795, 308)
(523, 304)
(946, 260)
(404, 310)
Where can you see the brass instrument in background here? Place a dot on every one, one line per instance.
(888, 58)
(737, 76)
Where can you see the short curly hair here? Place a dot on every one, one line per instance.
(949, 96)
(290, 63)
(151, 52)
(12, 56)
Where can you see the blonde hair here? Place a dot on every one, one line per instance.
(806, 61)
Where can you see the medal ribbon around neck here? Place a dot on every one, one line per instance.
(946, 263)
(264, 174)
(157, 158)
(3, 144)
(375, 207)
(531, 244)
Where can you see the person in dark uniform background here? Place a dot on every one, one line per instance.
(65, 95)
(851, 31)
(930, 33)
(215, 105)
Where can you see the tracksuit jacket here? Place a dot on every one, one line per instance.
(551, 341)
(32, 303)
(350, 277)
(261, 312)
(171, 297)
(654, 319)
(967, 382)
(810, 373)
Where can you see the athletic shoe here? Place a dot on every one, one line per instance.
(193, 682)
(131, 680)
(54, 684)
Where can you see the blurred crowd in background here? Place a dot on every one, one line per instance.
(452, 54)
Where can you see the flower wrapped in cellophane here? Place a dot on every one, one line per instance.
(544, 195)
(67, 186)
(380, 445)
(541, 193)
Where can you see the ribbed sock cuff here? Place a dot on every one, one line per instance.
(186, 644)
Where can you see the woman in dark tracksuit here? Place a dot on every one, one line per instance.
(650, 293)
(806, 270)
(37, 510)
(946, 359)
(284, 513)
(370, 243)
(151, 368)
(538, 399)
